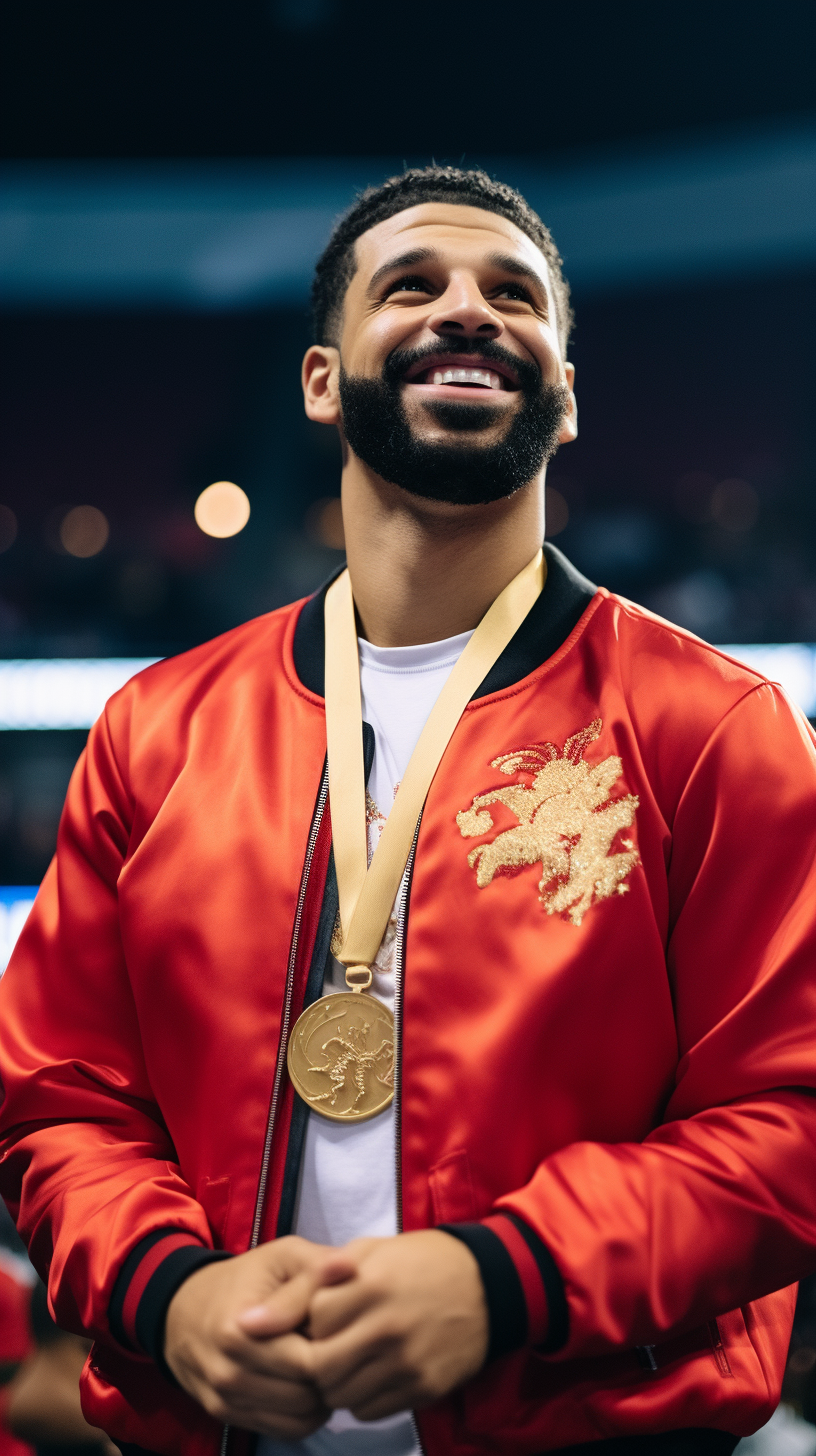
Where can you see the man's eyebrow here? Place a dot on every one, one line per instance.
(515, 266)
(405, 260)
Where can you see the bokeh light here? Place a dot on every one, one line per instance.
(222, 509)
(8, 528)
(324, 523)
(84, 531)
(556, 512)
(735, 505)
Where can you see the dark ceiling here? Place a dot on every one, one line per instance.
(194, 78)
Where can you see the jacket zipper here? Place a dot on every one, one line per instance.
(287, 1008)
(284, 1036)
(399, 988)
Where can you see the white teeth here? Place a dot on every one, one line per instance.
(485, 377)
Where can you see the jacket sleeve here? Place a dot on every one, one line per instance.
(86, 1163)
(619, 1245)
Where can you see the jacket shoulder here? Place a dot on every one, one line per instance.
(684, 662)
(145, 730)
(682, 695)
(212, 667)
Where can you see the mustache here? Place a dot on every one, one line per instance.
(399, 361)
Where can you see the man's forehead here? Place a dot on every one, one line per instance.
(446, 226)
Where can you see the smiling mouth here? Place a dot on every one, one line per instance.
(461, 374)
(473, 378)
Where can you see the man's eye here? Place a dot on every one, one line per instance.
(514, 290)
(411, 284)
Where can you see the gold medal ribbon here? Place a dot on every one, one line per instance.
(366, 892)
(341, 1050)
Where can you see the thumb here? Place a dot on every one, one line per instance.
(288, 1307)
(283, 1311)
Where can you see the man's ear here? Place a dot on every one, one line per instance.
(319, 376)
(569, 427)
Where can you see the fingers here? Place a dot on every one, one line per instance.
(241, 1367)
(284, 1310)
(288, 1306)
(338, 1359)
(391, 1323)
(409, 1327)
(338, 1268)
(242, 1390)
(295, 1255)
(268, 1415)
(338, 1300)
(289, 1357)
(372, 1382)
(231, 1336)
(332, 1309)
(390, 1396)
(262, 1386)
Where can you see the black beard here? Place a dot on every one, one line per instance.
(378, 430)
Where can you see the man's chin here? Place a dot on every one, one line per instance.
(460, 417)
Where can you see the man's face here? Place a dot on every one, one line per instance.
(450, 380)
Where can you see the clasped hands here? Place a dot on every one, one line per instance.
(274, 1340)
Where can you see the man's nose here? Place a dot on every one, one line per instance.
(463, 310)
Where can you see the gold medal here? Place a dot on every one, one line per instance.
(341, 1050)
(341, 1056)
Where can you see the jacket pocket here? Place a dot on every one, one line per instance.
(720, 1352)
(705, 1340)
(451, 1187)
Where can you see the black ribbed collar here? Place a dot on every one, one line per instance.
(564, 600)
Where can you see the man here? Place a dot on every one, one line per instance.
(602, 1141)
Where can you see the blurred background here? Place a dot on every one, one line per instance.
(169, 175)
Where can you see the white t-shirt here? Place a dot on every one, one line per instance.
(348, 1186)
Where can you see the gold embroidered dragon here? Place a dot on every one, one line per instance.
(567, 822)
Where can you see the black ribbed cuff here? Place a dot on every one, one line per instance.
(554, 1292)
(504, 1294)
(142, 1327)
(526, 1302)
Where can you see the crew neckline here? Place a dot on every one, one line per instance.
(420, 657)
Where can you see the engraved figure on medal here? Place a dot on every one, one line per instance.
(341, 1057)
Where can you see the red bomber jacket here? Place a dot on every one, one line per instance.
(606, 1018)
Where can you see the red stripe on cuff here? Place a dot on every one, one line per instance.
(147, 1268)
(538, 1315)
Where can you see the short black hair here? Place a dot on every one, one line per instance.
(337, 264)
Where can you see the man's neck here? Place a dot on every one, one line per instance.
(424, 570)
